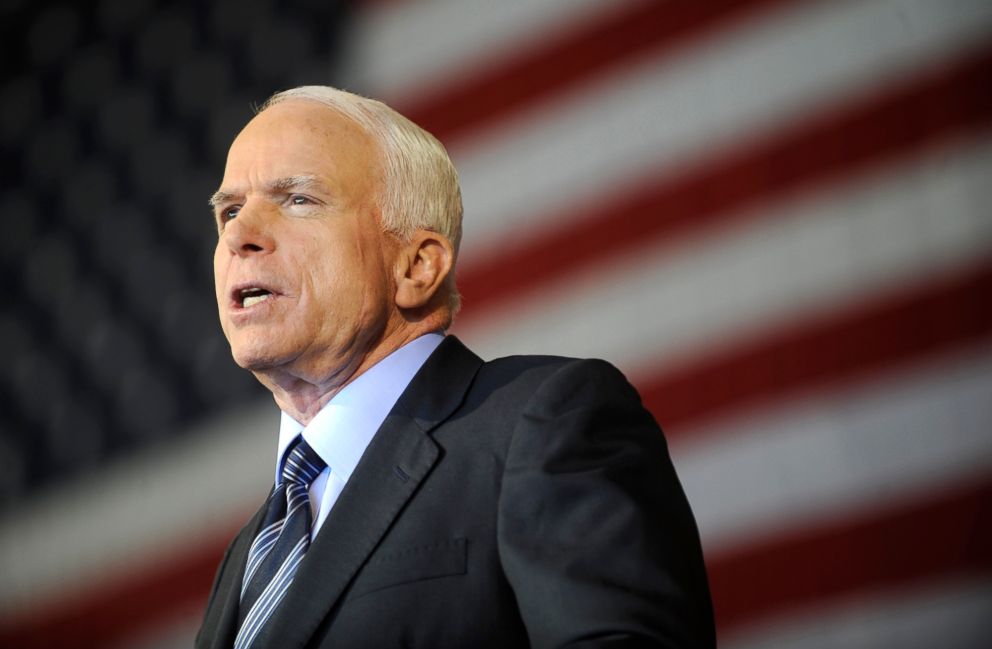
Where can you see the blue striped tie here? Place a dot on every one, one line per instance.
(281, 543)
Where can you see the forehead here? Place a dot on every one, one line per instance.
(299, 137)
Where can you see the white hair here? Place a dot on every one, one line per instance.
(419, 183)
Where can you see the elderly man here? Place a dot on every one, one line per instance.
(423, 497)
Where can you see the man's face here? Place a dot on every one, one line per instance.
(302, 268)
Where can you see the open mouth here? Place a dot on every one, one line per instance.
(248, 297)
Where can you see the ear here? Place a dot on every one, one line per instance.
(421, 268)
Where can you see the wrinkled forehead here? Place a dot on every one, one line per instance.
(304, 122)
(300, 137)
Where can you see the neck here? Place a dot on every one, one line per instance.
(301, 394)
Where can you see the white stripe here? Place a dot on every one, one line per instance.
(271, 596)
(840, 452)
(298, 460)
(301, 502)
(62, 541)
(405, 48)
(788, 58)
(268, 538)
(271, 531)
(307, 471)
(259, 550)
(814, 254)
(659, 307)
(256, 558)
(656, 118)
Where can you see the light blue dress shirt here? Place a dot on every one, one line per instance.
(344, 427)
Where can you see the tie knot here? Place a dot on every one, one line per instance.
(302, 464)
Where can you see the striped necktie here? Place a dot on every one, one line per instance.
(281, 543)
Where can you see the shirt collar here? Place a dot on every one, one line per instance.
(344, 427)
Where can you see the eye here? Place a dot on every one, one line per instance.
(300, 199)
(229, 213)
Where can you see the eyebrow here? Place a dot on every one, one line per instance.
(277, 186)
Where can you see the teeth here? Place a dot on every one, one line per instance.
(252, 300)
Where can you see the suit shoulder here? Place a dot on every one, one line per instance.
(527, 362)
(539, 366)
(534, 371)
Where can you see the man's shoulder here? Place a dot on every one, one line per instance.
(537, 372)
(544, 365)
(515, 379)
(528, 362)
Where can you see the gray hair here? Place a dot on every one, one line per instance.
(420, 185)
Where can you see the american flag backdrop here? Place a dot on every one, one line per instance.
(775, 217)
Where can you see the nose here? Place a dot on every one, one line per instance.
(251, 231)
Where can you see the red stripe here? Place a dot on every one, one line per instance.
(943, 103)
(948, 313)
(863, 339)
(521, 80)
(936, 106)
(945, 535)
(950, 535)
(841, 347)
(113, 611)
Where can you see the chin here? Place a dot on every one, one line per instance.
(255, 352)
(255, 359)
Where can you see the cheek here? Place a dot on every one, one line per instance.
(220, 265)
(349, 275)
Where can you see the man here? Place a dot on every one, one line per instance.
(424, 498)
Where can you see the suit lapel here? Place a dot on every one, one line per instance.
(396, 462)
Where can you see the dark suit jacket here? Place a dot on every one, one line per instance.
(529, 501)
